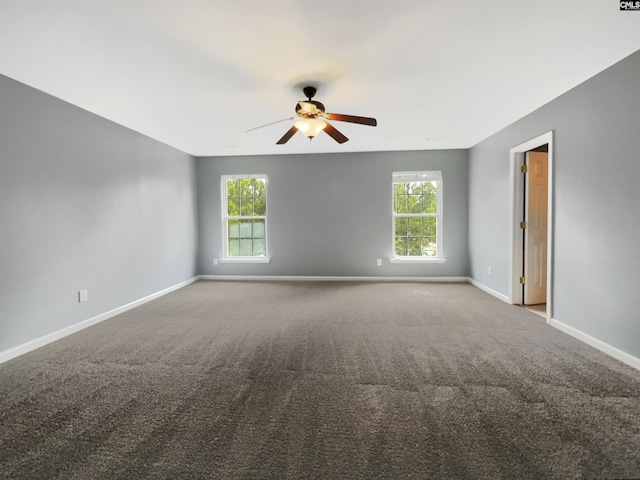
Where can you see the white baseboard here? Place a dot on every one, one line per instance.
(490, 291)
(52, 337)
(302, 278)
(599, 344)
(583, 337)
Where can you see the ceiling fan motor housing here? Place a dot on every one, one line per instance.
(309, 109)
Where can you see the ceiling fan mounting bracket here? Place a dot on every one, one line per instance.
(309, 91)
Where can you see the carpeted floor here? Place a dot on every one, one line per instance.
(320, 380)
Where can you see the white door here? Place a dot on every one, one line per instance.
(535, 236)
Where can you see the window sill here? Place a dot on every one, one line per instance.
(245, 260)
(416, 260)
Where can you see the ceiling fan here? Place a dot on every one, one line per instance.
(311, 123)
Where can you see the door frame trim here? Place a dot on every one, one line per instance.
(516, 160)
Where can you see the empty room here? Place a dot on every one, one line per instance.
(319, 240)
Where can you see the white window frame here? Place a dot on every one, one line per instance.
(225, 221)
(418, 176)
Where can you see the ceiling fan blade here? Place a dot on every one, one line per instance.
(335, 134)
(352, 119)
(285, 138)
(267, 124)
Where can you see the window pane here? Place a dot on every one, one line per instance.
(414, 203)
(258, 230)
(233, 188)
(260, 206)
(246, 247)
(415, 227)
(429, 227)
(234, 248)
(259, 247)
(233, 206)
(245, 229)
(246, 206)
(259, 188)
(429, 202)
(414, 246)
(401, 246)
(234, 229)
(402, 227)
(429, 246)
(245, 187)
(396, 194)
(401, 203)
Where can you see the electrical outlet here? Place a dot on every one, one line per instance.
(489, 270)
(83, 296)
(215, 262)
(379, 262)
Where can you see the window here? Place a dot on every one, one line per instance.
(244, 216)
(417, 216)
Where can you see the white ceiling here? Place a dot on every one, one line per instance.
(196, 74)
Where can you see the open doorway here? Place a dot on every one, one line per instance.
(534, 229)
(531, 242)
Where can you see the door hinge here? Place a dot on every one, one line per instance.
(524, 168)
(523, 280)
(523, 225)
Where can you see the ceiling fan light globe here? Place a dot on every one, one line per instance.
(310, 127)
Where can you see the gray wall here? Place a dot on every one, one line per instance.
(331, 214)
(596, 276)
(84, 204)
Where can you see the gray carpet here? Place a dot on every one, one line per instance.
(304, 380)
